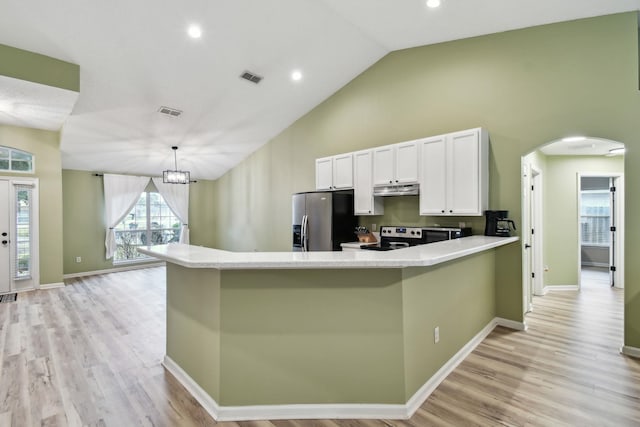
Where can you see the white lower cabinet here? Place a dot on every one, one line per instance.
(455, 174)
(364, 202)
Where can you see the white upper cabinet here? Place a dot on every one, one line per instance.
(396, 164)
(406, 162)
(455, 174)
(343, 171)
(433, 184)
(364, 202)
(383, 165)
(335, 172)
(324, 173)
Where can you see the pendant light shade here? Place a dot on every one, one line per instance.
(176, 176)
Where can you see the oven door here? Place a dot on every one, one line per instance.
(433, 236)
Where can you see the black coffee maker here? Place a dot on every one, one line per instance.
(497, 224)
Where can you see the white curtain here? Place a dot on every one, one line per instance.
(177, 198)
(121, 192)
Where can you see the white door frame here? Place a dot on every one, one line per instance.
(618, 182)
(18, 285)
(532, 243)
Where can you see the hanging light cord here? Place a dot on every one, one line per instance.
(175, 156)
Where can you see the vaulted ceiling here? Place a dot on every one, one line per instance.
(136, 56)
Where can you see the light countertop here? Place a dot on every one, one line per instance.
(416, 256)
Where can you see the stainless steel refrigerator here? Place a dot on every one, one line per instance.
(323, 220)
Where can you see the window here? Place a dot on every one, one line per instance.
(23, 231)
(15, 160)
(595, 214)
(150, 222)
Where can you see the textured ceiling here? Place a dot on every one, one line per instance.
(135, 57)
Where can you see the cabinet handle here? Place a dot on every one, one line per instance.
(442, 210)
(390, 182)
(451, 211)
(396, 180)
(369, 211)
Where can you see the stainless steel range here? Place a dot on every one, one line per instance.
(397, 238)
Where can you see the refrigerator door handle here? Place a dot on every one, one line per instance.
(305, 229)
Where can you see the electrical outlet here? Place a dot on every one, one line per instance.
(373, 227)
(78, 259)
(436, 334)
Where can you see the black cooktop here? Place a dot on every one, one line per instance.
(380, 248)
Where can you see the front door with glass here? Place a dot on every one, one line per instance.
(5, 247)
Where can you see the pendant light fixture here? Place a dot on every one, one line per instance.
(176, 176)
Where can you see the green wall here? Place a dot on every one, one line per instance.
(45, 146)
(560, 207)
(84, 223)
(459, 298)
(267, 337)
(527, 87)
(36, 68)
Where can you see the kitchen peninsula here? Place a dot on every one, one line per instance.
(266, 335)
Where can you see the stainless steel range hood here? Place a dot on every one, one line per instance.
(397, 190)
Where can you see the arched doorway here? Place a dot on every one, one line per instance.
(559, 225)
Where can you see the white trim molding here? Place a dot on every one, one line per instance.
(115, 270)
(334, 411)
(561, 288)
(51, 285)
(511, 324)
(630, 351)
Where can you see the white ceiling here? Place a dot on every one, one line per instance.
(134, 57)
(34, 105)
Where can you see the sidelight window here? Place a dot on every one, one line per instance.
(23, 231)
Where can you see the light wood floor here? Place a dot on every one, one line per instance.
(89, 355)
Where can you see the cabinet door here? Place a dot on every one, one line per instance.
(343, 171)
(383, 161)
(433, 180)
(406, 159)
(324, 173)
(464, 173)
(363, 200)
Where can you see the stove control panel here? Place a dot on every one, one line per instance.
(405, 232)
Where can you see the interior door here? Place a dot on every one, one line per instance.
(5, 247)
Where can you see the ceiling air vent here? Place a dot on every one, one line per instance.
(169, 111)
(253, 78)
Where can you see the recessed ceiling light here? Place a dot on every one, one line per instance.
(574, 138)
(296, 75)
(194, 31)
(433, 3)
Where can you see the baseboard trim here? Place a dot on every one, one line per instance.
(511, 324)
(203, 398)
(52, 285)
(114, 270)
(630, 351)
(561, 288)
(335, 411)
(432, 383)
